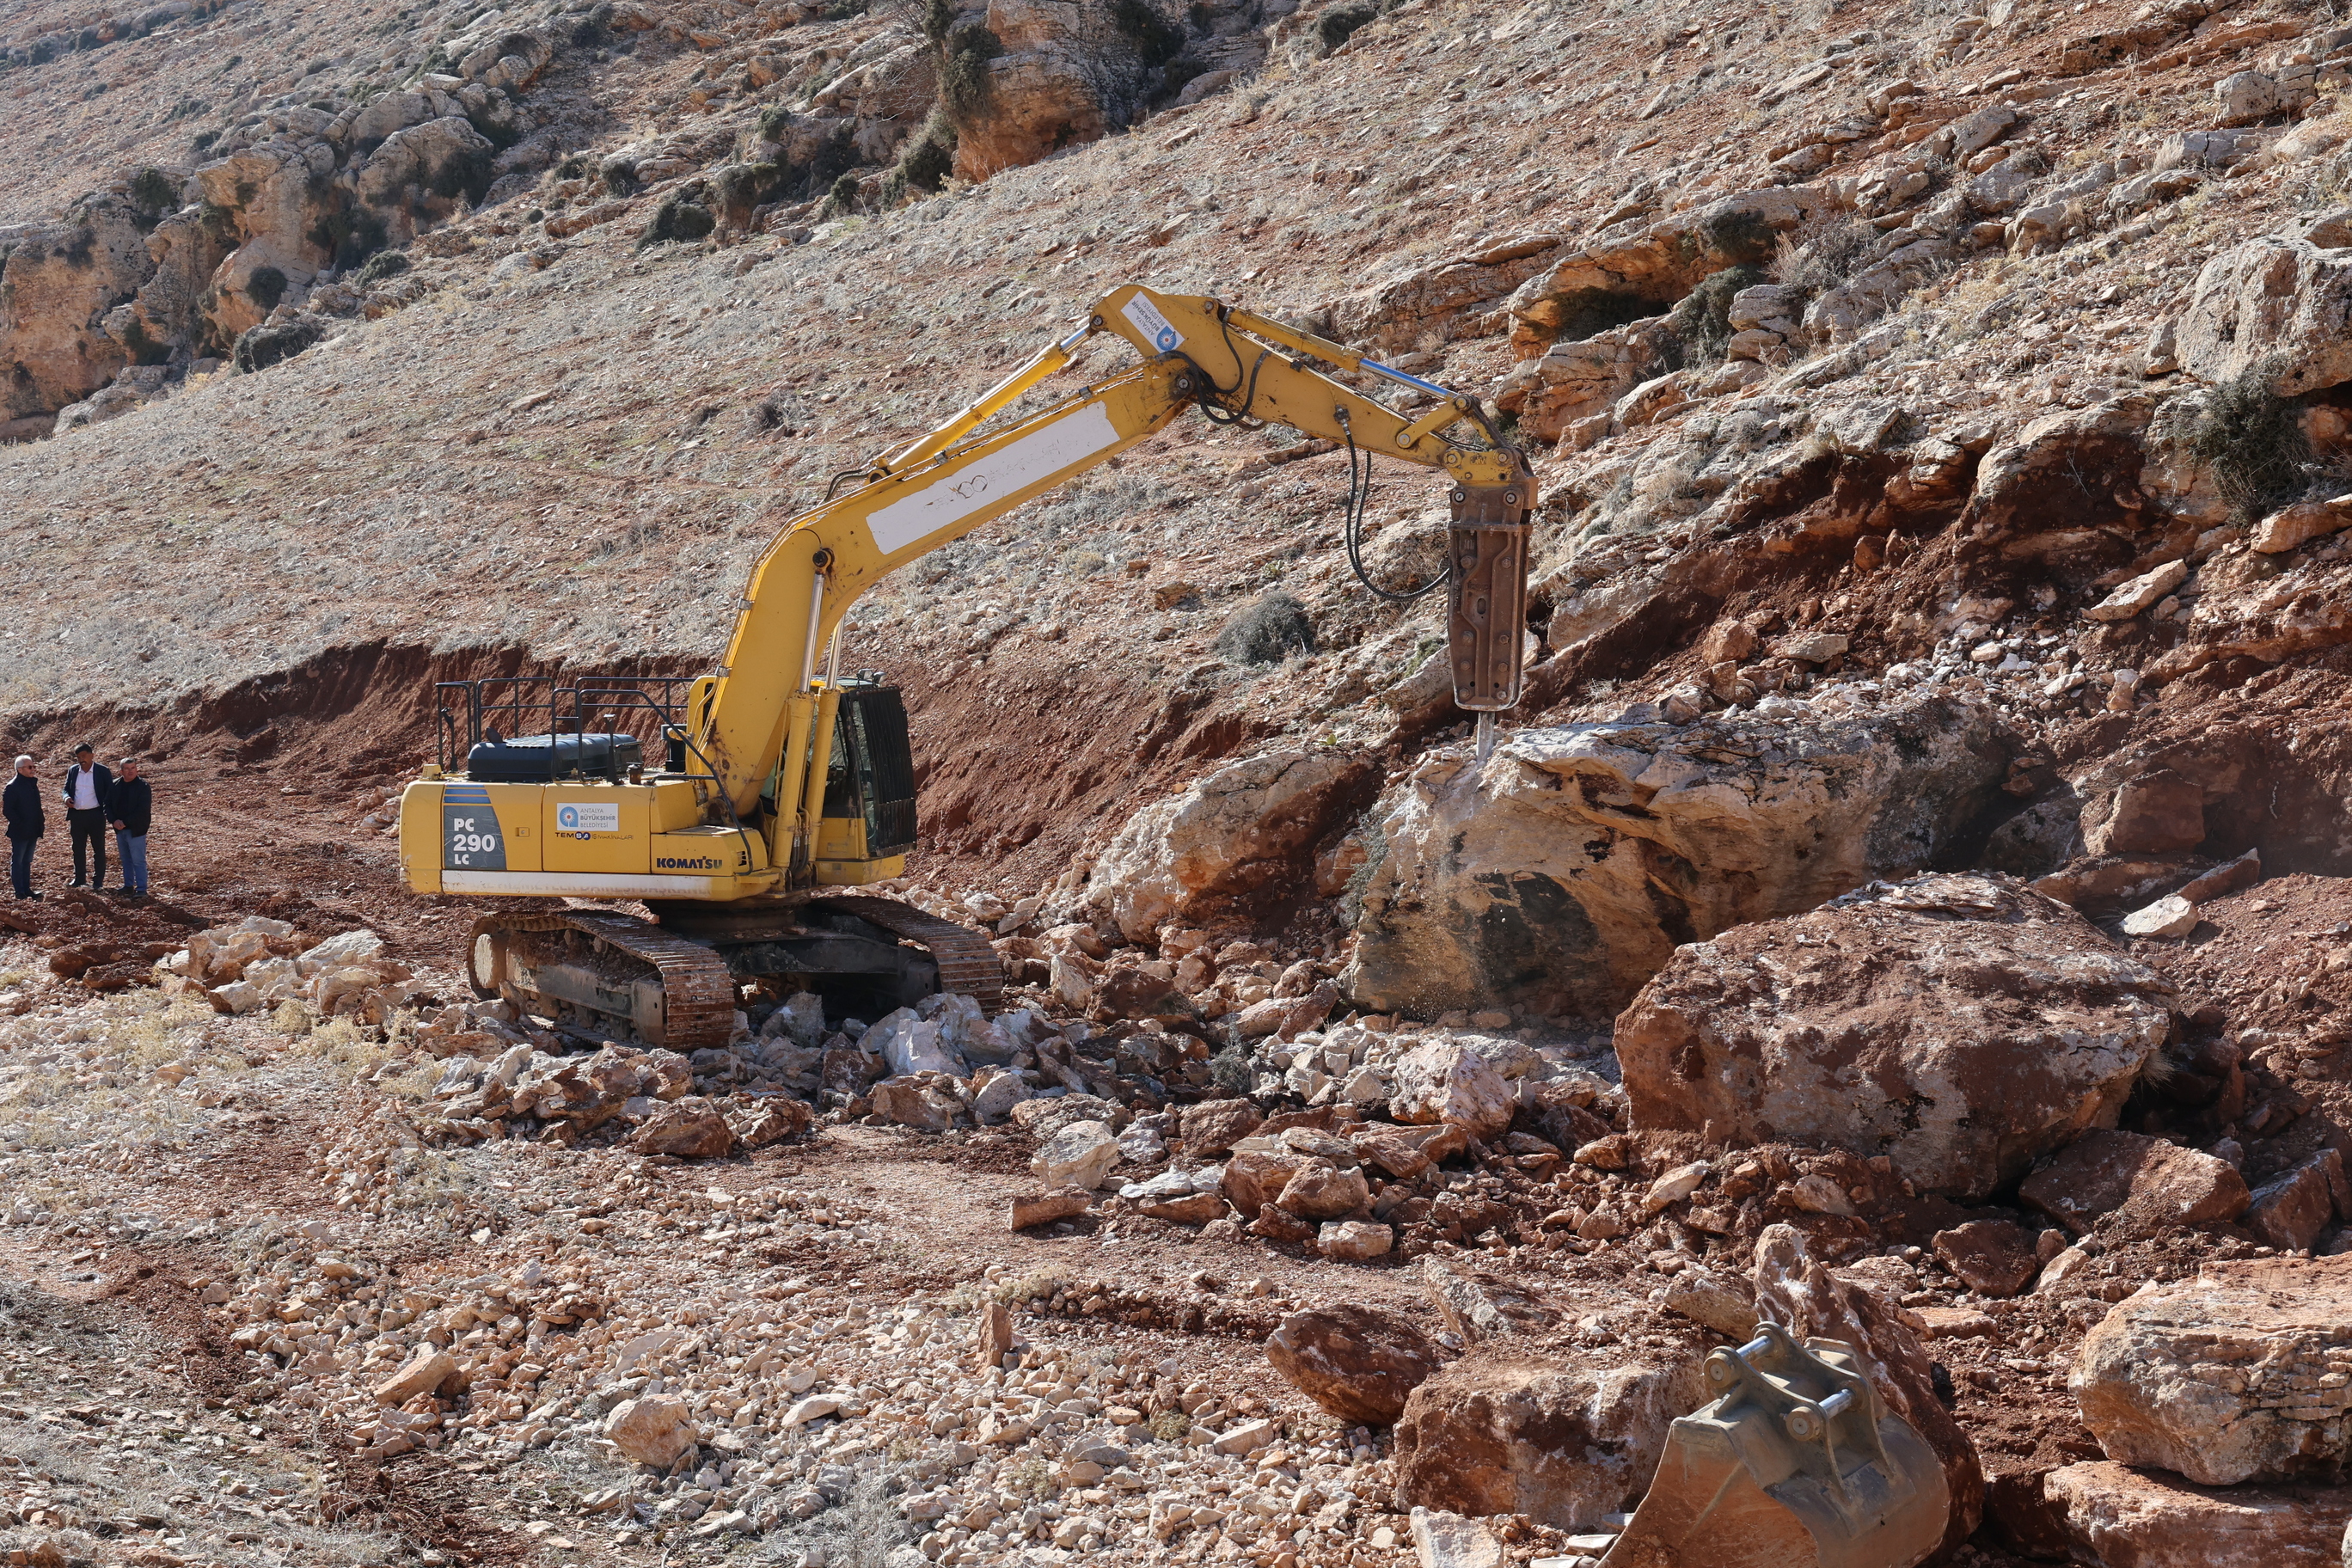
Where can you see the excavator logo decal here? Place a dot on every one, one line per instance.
(1151, 323)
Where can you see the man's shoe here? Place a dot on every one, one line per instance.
(79, 882)
(35, 897)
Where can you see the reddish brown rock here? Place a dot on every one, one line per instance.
(1274, 1225)
(1318, 1190)
(1960, 1024)
(1255, 1180)
(1995, 1256)
(689, 1128)
(2290, 1212)
(2157, 814)
(1199, 1208)
(774, 1120)
(1044, 1208)
(2147, 1519)
(1562, 1437)
(2157, 1184)
(1214, 1126)
(1794, 1290)
(1355, 1361)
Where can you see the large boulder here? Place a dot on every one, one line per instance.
(1241, 831)
(1067, 73)
(1355, 1361)
(2238, 1375)
(1563, 1437)
(2109, 1513)
(1960, 1024)
(2279, 302)
(1794, 1290)
(276, 199)
(1561, 876)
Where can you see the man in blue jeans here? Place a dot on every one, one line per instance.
(88, 783)
(21, 803)
(128, 807)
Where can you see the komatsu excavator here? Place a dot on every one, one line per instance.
(779, 787)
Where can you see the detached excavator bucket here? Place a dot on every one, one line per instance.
(1795, 1465)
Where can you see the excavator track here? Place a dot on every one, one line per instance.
(694, 1003)
(967, 963)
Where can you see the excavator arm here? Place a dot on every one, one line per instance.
(764, 705)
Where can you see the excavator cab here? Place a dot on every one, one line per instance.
(868, 822)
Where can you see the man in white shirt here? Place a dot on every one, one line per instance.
(88, 783)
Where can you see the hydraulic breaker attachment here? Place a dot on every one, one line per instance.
(1796, 1464)
(1486, 599)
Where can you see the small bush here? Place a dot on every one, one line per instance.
(1266, 632)
(1702, 320)
(620, 176)
(930, 158)
(1230, 1070)
(1170, 1426)
(678, 219)
(1823, 255)
(1741, 236)
(467, 173)
(965, 88)
(2253, 439)
(266, 287)
(1140, 23)
(153, 191)
(258, 348)
(383, 264)
(842, 198)
(1337, 26)
(939, 19)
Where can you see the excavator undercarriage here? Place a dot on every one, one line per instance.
(599, 975)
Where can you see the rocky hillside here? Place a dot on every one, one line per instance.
(1925, 830)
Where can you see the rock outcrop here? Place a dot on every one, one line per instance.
(1958, 1024)
(2155, 1185)
(2241, 1375)
(2277, 303)
(1564, 874)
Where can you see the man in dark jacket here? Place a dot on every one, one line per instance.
(87, 787)
(21, 802)
(128, 807)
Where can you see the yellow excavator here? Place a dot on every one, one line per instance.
(777, 788)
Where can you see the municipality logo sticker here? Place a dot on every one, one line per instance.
(568, 819)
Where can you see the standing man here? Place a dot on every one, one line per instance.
(86, 790)
(21, 800)
(128, 807)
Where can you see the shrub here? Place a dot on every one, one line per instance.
(1140, 23)
(965, 89)
(383, 264)
(1703, 319)
(939, 19)
(467, 173)
(678, 219)
(2253, 439)
(930, 158)
(1337, 26)
(266, 287)
(1268, 631)
(1741, 236)
(620, 176)
(153, 191)
(258, 348)
(1824, 255)
(842, 198)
